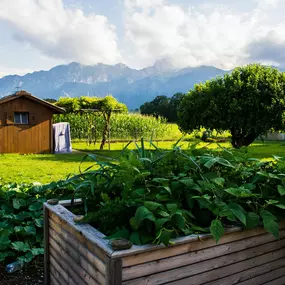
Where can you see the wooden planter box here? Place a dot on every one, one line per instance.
(79, 254)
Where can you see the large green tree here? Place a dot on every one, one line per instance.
(248, 102)
(163, 106)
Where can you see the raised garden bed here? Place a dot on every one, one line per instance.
(79, 254)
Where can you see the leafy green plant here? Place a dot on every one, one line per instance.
(154, 196)
(21, 218)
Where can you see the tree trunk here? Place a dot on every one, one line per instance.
(239, 139)
(107, 117)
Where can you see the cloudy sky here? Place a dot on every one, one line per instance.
(39, 34)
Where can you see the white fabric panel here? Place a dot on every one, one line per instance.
(62, 138)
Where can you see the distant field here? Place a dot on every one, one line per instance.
(48, 168)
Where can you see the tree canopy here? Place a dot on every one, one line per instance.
(163, 106)
(105, 104)
(249, 102)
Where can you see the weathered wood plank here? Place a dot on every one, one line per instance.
(80, 260)
(196, 256)
(83, 232)
(46, 246)
(230, 269)
(256, 275)
(75, 268)
(56, 268)
(66, 203)
(114, 273)
(53, 280)
(221, 266)
(143, 254)
(67, 241)
(259, 280)
(67, 268)
(278, 281)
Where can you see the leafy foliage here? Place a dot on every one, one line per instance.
(163, 106)
(21, 218)
(250, 101)
(156, 196)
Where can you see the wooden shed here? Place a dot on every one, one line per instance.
(26, 124)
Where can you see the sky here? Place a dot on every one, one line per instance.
(40, 34)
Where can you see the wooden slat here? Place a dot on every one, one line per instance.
(77, 258)
(67, 203)
(196, 256)
(256, 275)
(75, 271)
(67, 241)
(272, 274)
(54, 281)
(46, 246)
(114, 275)
(216, 273)
(62, 229)
(216, 266)
(143, 254)
(56, 268)
(83, 232)
(278, 281)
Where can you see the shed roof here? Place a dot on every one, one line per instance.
(24, 94)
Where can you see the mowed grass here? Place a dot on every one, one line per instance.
(43, 168)
(48, 167)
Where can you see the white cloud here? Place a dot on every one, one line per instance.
(207, 34)
(12, 70)
(61, 32)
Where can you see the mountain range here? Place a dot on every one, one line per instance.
(130, 86)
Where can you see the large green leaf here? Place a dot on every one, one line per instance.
(238, 211)
(178, 221)
(21, 246)
(142, 213)
(18, 203)
(4, 239)
(272, 227)
(152, 206)
(217, 229)
(240, 192)
(36, 207)
(252, 220)
(281, 190)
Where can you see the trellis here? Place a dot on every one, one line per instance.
(107, 130)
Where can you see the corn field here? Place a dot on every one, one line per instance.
(89, 126)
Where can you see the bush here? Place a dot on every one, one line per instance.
(248, 102)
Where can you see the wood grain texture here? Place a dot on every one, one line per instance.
(197, 256)
(75, 268)
(76, 249)
(271, 273)
(278, 281)
(217, 273)
(147, 253)
(46, 246)
(35, 137)
(86, 234)
(214, 268)
(114, 273)
(60, 272)
(77, 258)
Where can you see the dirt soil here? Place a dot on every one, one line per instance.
(31, 274)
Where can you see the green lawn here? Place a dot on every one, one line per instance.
(47, 168)
(39, 168)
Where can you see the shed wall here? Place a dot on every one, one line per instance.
(36, 137)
